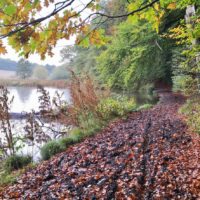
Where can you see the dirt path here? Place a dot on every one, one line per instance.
(150, 155)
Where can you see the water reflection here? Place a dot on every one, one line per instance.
(23, 93)
(32, 147)
(26, 98)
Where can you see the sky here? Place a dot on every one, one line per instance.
(56, 59)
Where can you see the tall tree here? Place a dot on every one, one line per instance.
(60, 73)
(24, 69)
(137, 55)
(40, 72)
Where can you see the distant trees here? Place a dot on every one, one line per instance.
(40, 72)
(24, 69)
(81, 59)
(59, 73)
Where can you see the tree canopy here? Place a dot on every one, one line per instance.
(137, 55)
(24, 69)
(40, 72)
(28, 32)
(147, 34)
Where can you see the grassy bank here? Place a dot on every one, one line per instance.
(34, 83)
(10, 177)
(191, 110)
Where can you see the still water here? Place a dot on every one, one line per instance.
(26, 98)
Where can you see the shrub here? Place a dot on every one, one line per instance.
(92, 108)
(85, 99)
(110, 107)
(66, 141)
(146, 89)
(192, 111)
(179, 83)
(15, 162)
(10, 177)
(51, 148)
(76, 135)
(90, 124)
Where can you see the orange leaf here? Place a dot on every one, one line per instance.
(2, 48)
(171, 6)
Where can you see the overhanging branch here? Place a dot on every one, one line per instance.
(60, 6)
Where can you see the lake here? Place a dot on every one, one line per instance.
(26, 98)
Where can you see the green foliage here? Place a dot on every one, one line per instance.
(112, 8)
(146, 89)
(66, 141)
(187, 35)
(136, 56)
(76, 135)
(59, 73)
(8, 178)
(51, 148)
(81, 59)
(28, 34)
(90, 123)
(40, 72)
(16, 162)
(179, 83)
(192, 111)
(110, 108)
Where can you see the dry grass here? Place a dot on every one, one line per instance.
(34, 83)
(85, 97)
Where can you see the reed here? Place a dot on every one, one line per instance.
(34, 83)
(85, 96)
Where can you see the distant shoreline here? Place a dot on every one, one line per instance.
(34, 83)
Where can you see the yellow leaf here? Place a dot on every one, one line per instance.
(157, 6)
(171, 6)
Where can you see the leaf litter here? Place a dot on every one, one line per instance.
(151, 155)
